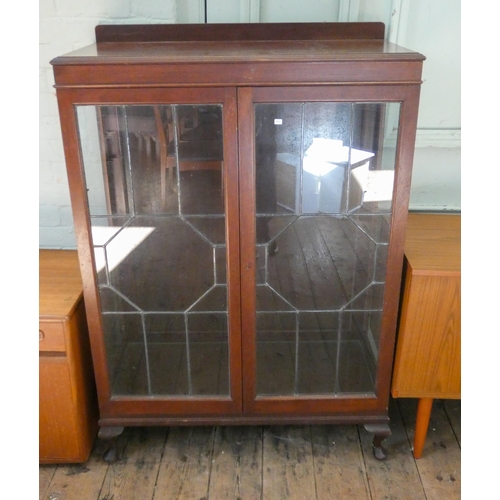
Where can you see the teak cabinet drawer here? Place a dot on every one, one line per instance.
(51, 336)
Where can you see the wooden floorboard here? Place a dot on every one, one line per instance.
(339, 469)
(397, 477)
(44, 479)
(237, 464)
(439, 466)
(186, 464)
(80, 481)
(135, 474)
(288, 469)
(452, 408)
(270, 463)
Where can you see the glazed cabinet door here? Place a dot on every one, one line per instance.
(318, 203)
(158, 171)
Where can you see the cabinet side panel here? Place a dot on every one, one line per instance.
(78, 192)
(82, 375)
(58, 432)
(428, 352)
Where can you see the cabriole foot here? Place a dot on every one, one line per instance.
(381, 432)
(109, 435)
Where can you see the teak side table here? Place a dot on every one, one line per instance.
(427, 363)
(67, 394)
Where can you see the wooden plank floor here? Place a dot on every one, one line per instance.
(270, 463)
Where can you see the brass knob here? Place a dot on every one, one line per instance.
(41, 335)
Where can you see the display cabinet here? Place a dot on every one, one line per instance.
(240, 195)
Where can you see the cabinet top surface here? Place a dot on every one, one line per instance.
(259, 42)
(236, 51)
(433, 243)
(60, 283)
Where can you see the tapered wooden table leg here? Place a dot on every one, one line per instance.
(421, 425)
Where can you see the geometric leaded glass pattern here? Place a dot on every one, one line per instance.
(154, 179)
(323, 196)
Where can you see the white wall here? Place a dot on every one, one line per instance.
(66, 25)
(433, 28)
(427, 26)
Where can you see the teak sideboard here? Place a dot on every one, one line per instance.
(427, 364)
(67, 395)
(240, 195)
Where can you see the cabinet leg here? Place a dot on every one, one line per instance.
(421, 425)
(110, 435)
(381, 432)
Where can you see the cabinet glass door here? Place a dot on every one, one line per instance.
(156, 189)
(323, 187)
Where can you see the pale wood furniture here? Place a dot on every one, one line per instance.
(67, 394)
(209, 301)
(427, 363)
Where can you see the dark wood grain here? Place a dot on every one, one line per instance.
(161, 66)
(240, 31)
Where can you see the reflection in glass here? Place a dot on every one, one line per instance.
(324, 181)
(154, 178)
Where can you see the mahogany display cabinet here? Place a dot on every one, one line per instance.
(240, 196)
